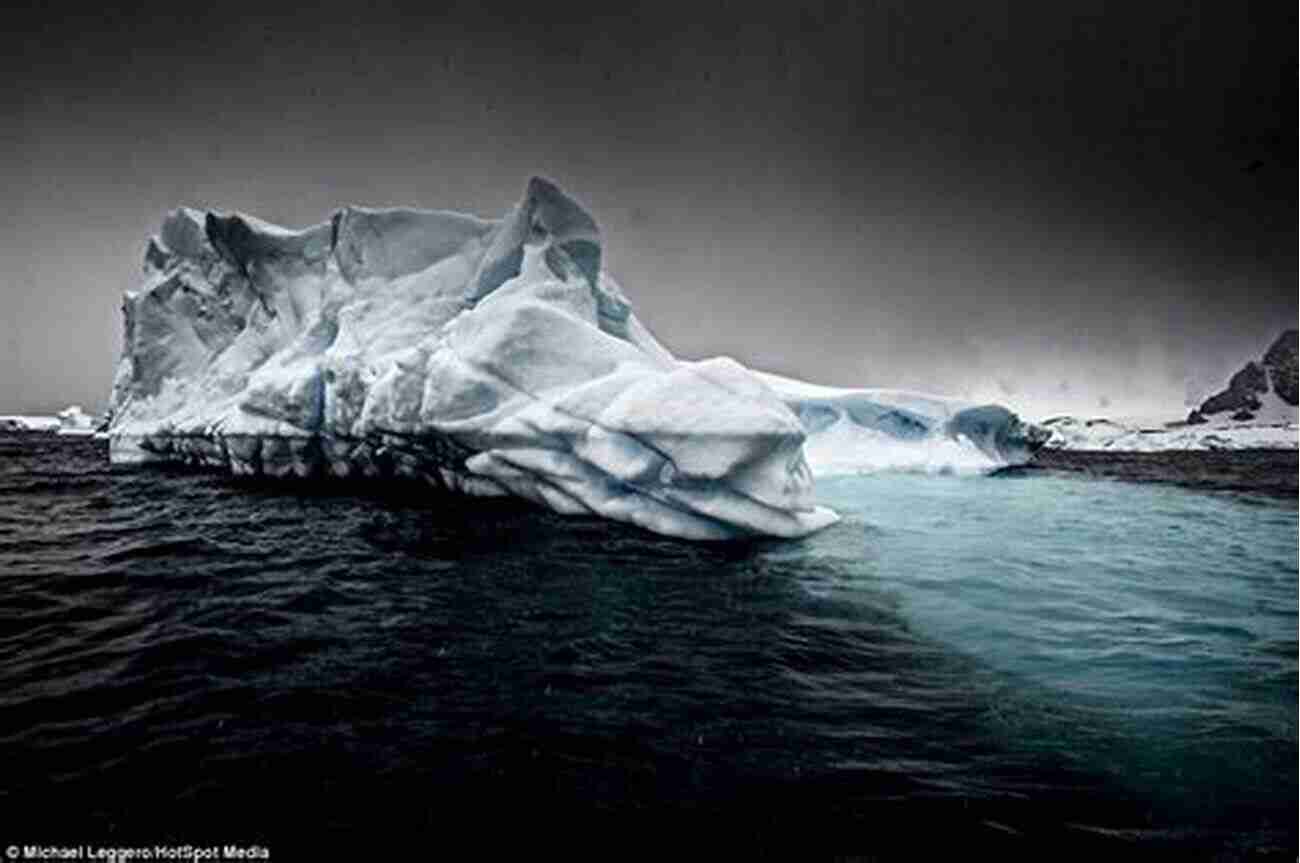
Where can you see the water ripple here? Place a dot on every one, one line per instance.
(1048, 659)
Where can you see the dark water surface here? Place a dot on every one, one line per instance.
(1040, 662)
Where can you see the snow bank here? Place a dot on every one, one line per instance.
(1072, 433)
(21, 423)
(72, 420)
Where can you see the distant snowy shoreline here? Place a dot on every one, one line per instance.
(72, 420)
(1102, 435)
(1257, 410)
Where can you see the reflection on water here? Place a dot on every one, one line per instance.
(1038, 659)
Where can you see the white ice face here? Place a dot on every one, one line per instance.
(488, 358)
(483, 357)
(864, 430)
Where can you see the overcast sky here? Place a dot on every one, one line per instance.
(1090, 210)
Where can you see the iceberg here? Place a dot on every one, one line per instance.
(481, 357)
(852, 431)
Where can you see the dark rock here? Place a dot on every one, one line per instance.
(1241, 391)
(1277, 372)
(1252, 379)
(1280, 360)
(1196, 418)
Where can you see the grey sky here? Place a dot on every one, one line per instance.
(1040, 206)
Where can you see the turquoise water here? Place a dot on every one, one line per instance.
(1146, 631)
(1022, 662)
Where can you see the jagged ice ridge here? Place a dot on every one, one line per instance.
(486, 358)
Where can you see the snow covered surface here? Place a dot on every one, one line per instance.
(1272, 411)
(72, 420)
(18, 422)
(1275, 424)
(75, 421)
(1073, 433)
(1255, 411)
(487, 358)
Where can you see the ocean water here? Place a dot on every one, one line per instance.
(1038, 661)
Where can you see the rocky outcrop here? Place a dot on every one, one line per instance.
(1275, 373)
(1243, 391)
(1280, 360)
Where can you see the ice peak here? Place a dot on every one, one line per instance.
(486, 357)
(478, 356)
